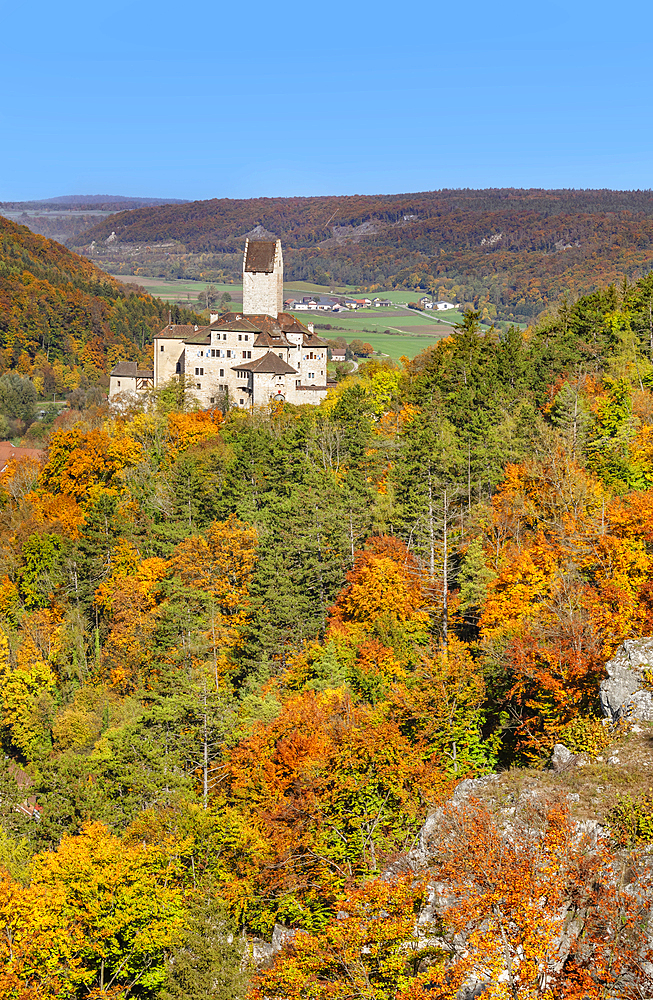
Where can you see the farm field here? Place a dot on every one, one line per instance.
(359, 324)
(181, 291)
(402, 344)
(412, 330)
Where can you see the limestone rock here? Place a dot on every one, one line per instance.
(464, 789)
(264, 952)
(623, 693)
(562, 757)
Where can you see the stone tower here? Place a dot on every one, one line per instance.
(262, 278)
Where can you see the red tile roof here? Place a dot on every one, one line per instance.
(8, 453)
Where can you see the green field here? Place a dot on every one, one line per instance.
(403, 344)
(413, 330)
(180, 291)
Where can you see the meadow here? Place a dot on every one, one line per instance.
(399, 345)
(411, 330)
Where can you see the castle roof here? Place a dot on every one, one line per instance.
(270, 363)
(312, 340)
(129, 369)
(260, 255)
(266, 339)
(235, 322)
(201, 336)
(178, 331)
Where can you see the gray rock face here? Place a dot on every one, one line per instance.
(623, 693)
(264, 952)
(562, 758)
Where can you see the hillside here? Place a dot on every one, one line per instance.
(64, 217)
(63, 323)
(247, 658)
(508, 253)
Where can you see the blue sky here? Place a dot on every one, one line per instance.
(244, 100)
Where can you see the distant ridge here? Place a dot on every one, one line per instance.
(508, 253)
(98, 201)
(93, 199)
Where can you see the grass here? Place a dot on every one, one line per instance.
(402, 345)
(592, 788)
(413, 330)
(183, 292)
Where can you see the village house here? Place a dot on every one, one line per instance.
(130, 379)
(240, 359)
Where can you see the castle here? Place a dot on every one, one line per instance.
(241, 359)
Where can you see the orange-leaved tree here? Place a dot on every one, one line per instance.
(369, 951)
(535, 911)
(315, 799)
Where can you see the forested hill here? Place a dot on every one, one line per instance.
(244, 656)
(514, 251)
(63, 323)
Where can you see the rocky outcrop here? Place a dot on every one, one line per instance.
(626, 692)
(263, 952)
(562, 758)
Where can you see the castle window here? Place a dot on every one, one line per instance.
(280, 354)
(161, 346)
(178, 368)
(311, 374)
(240, 336)
(222, 373)
(242, 402)
(118, 384)
(228, 354)
(212, 399)
(198, 386)
(199, 371)
(246, 336)
(224, 336)
(249, 354)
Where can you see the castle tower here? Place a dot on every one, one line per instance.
(262, 278)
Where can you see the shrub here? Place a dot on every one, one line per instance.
(631, 820)
(589, 735)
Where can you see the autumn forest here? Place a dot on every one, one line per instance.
(246, 659)
(508, 254)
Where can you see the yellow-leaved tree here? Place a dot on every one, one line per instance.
(26, 698)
